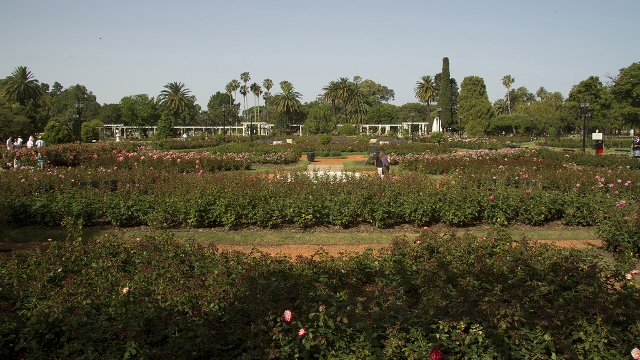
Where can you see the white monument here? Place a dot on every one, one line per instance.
(436, 127)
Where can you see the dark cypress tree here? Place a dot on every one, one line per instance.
(444, 97)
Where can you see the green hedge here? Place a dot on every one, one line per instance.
(152, 297)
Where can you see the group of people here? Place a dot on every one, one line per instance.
(16, 146)
(17, 143)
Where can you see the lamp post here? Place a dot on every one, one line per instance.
(411, 129)
(224, 122)
(439, 121)
(250, 128)
(460, 129)
(531, 125)
(78, 104)
(584, 106)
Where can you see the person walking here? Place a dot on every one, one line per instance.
(30, 142)
(18, 144)
(385, 164)
(39, 142)
(380, 163)
(635, 147)
(39, 158)
(10, 143)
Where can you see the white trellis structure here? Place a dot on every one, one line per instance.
(423, 128)
(263, 129)
(136, 132)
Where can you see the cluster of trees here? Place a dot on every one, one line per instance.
(28, 106)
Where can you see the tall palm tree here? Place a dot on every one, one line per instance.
(233, 86)
(21, 87)
(331, 94)
(256, 90)
(507, 81)
(426, 92)
(176, 99)
(268, 84)
(229, 90)
(287, 101)
(343, 92)
(244, 90)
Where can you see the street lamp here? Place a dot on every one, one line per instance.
(531, 125)
(584, 106)
(250, 128)
(439, 120)
(411, 130)
(224, 122)
(78, 104)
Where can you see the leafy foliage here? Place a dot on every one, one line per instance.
(153, 297)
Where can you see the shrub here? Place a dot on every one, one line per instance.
(119, 296)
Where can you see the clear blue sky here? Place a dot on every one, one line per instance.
(118, 48)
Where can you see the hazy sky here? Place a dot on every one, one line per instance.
(118, 48)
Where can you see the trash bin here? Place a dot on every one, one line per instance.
(311, 155)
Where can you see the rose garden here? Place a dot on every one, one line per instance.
(153, 296)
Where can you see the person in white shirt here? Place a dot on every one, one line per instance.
(30, 142)
(39, 142)
(18, 143)
(9, 144)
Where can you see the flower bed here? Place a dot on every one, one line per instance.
(467, 297)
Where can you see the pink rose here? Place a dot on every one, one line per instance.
(125, 290)
(288, 315)
(302, 331)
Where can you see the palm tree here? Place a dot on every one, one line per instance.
(244, 91)
(268, 84)
(426, 92)
(229, 90)
(542, 93)
(22, 87)
(331, 94)
(500, 106)
(233, 86)
(507, 81)
(343, 92)
(256, 90)
(176, 99)
(288, 100)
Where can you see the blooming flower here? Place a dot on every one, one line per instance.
(287, 315)
(302, 331)
(635, 353)
(436, 354)
(527, 192)
(125, 290)
(321, 308)
(491, 197)
(578, 185)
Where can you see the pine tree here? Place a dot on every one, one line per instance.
(444, 97)
(165, 126)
